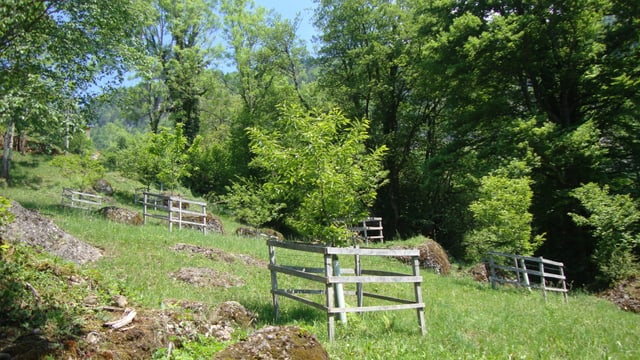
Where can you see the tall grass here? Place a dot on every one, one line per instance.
(465, 319)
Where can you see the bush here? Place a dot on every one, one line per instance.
(613, 220)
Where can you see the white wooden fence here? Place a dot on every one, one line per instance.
(174, 210)
(526, 270)
(333, 282)
(80, 200)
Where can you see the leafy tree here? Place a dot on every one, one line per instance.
(82, 170)
(160, 158)
(178, 50)
(252, 203)
(502, 217)
(52, 51)
(613, 221)
(320, 166)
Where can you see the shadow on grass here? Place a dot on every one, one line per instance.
(24, 311)
(290, 312)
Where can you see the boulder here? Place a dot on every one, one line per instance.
(102, 186)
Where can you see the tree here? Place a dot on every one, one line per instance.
(502, 217)
(52, 51)
(160, 158)
(613, 220)
(82, 170)
(178, 50)
(319, 165)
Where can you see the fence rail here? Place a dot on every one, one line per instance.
(370, 229)
(333, 278)
(174, 210)
(80, 200)
(548, 273)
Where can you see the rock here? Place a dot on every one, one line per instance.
(31, 228)
(103, 187)
(276, 343)
(120, 215)
(120, 300)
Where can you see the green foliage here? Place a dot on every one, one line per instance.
(502, 218)
(202, 348)
(80, 144)
(160, 158)
(5, 215)
(252, 204)
(320, 166)
(83, 170)
(613, 222)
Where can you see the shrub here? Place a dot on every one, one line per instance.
(613, 220)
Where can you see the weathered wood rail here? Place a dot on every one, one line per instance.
(80, 200)
(548, 273)
(174, 210)
(370, 229)
(333, 281)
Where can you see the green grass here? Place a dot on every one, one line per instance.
(465, 319)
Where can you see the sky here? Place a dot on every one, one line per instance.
(289, 8)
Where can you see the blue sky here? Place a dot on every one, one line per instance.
(289, 9)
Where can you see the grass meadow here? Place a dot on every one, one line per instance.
(465, 319)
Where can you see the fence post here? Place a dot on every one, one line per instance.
(145, 197)
(339, 289)
(543, 284)
(274, 281)
(492, 271)
(418, 292)
(525, 274)
(328, 270)
(359, 285)
(169, 206)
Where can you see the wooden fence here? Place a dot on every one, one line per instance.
(174, 210)
(369, 229)
(80, 200)
(334, 280)
(529, 272)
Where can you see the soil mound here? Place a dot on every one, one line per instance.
(219, 255)
(120, 215)
(432, 256)
(276, 343)
(206, 277)
(625, 294)
(259, 232)
(31, 228)
(214, 224)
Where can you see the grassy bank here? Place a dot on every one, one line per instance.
(465, 319)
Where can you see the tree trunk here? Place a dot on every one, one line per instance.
(7, 150)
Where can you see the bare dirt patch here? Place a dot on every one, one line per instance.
(35, 230)
(206, 277)
(276, 343)
(625, 294)
(219, 255)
